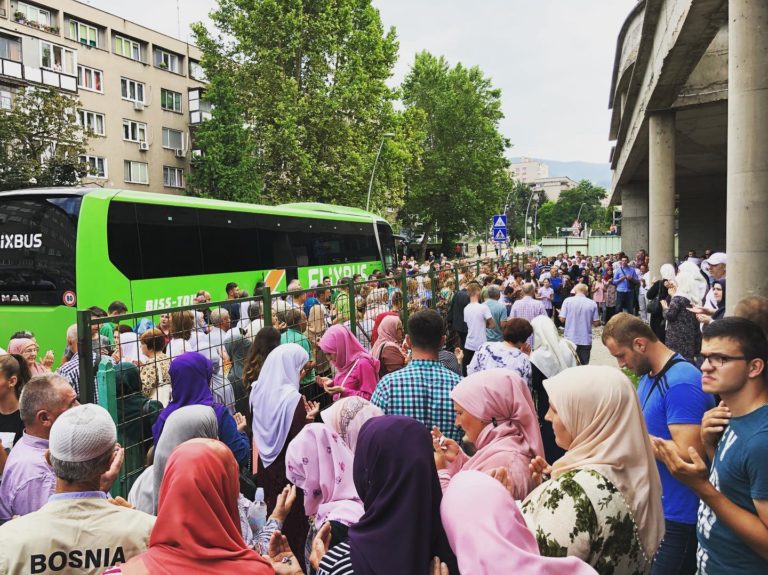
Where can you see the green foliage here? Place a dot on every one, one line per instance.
(463, 179)
(555, 215)
(301, 103)
(41, 141)
(518, 201)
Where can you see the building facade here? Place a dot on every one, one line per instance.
(526, 170)
(689, 102)
(553, 187)
(139, 90)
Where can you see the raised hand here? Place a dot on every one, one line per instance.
(713, 425)
(241, 422)
(539, 469)
(320, 545)
(313, 409)
(446, 450)
(438, 568)
(284, 503)
(695, 474)
(110, 475)
(279, 553)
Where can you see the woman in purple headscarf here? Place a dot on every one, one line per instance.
(400, 531)
(191, 385)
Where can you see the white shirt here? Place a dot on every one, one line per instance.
(475, 316)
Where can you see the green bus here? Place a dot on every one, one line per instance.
(63, 249)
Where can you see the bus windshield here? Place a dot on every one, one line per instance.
(38, 237)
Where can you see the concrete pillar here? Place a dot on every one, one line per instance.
(701, 209)
(661, 188)
(634, 217)
(747, 219)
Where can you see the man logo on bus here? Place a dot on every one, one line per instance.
(18, 241)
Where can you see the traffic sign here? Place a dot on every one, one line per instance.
(500, 234)
(500, 222)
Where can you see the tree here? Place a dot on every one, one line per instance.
(520, 200)
(300, 102)
(41, 141)
(463, 180)
(561, 214)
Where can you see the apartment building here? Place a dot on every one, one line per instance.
(526, 170)
(139, 90)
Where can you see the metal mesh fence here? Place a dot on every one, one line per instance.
(125, 360)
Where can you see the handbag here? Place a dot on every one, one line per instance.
(653, 307)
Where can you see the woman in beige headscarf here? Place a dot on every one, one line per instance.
(603, 502)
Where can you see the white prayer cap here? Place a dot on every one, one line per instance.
(82, 433)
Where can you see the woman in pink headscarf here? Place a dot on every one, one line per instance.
(28, 349)
(319, 463)
(496, 412)
(387, 348)
(488, 534)
(357, 373)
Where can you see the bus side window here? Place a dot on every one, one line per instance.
(170, 241)
(123, 239)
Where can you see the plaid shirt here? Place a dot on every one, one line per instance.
(420, 390)
(71, 372)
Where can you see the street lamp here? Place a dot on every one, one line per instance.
(373, 172)
(526, 218)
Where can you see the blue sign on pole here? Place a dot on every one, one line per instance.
(500, 228)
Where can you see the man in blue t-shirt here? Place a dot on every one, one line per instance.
(625, 279)
(733, 516)
(673, 405)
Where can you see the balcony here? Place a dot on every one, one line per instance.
(22, 74)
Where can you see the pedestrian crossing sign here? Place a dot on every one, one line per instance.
(500, 221)
(500, 235)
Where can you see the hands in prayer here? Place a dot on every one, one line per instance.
(241, 422)
(438, 568)
(713, 425)
(312, 408)
(281, 557)
(695, 474)
(320, 545)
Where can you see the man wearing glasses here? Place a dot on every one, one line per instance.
(674, 404)
(733, 485)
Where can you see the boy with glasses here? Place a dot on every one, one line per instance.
(733, 516)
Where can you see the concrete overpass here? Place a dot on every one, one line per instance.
(684, 160)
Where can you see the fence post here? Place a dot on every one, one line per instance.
(477, 266)
(433, 284)
(352, 306)
(456, 278)
(85, 356)
(266, 313)
(105, 380)
(404, 290)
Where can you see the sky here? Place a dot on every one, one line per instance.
(552, 59)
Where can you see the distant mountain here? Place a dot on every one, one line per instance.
(598, 174)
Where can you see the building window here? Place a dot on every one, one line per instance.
(10, 48)
(83, 33)
(134, 131)
(34, 14)
(6, 98)
(91, 121)
(167, 60)
(135, 172)
(97, 166)
(173, 139)
(58, 59)
(173, 177)
(196, 71)
(170, 100)
(132, 90)
(128, 48)
(89, 79)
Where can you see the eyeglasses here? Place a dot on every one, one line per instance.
(718, 360)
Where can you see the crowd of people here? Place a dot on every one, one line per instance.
(448, 421)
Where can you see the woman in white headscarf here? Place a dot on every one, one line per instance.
(551, 355)
(280, 412)
(683, 333)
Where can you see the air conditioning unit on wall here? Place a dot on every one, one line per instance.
(138, 106)
(181, 154)
(143, 146)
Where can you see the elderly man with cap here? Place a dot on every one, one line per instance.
(78, 530)
(716, 271)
